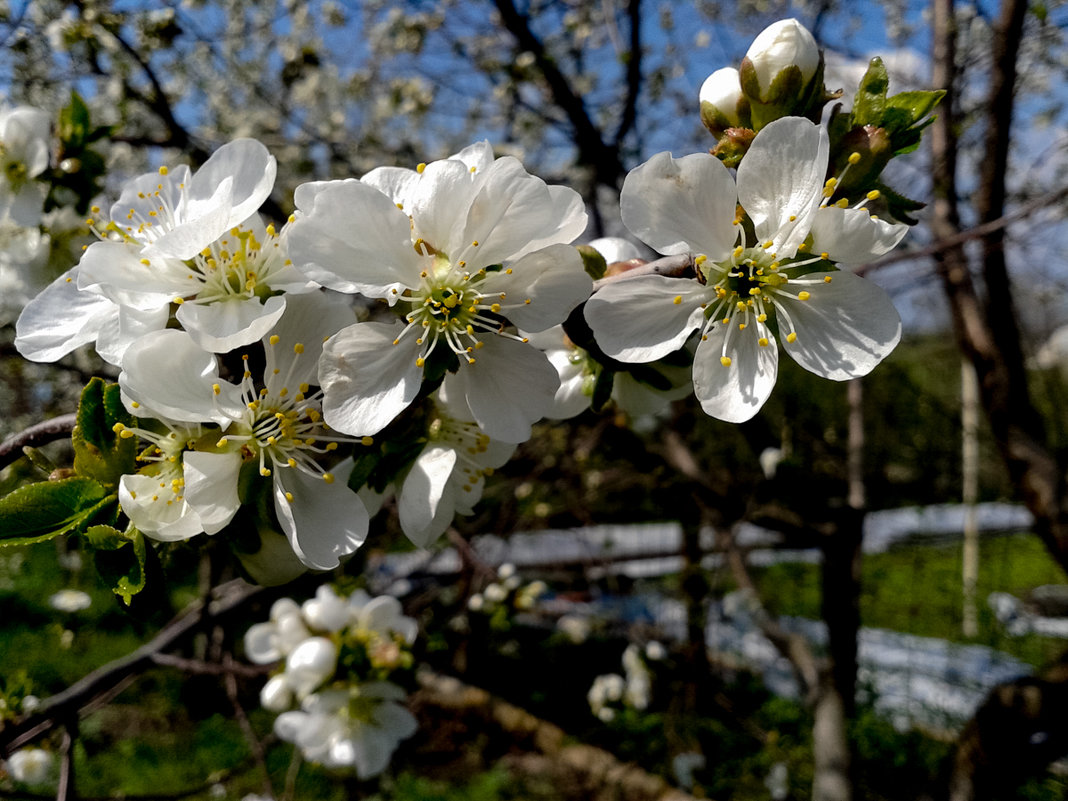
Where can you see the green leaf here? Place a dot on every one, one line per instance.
(99, 452)
(870, 102)
(47, 509)
(105, 538)
(123, 568)
(74, 126)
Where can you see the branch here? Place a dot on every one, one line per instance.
(36, 435)
(593, 150)
(67, 704)
(634, 73)
(681, 266)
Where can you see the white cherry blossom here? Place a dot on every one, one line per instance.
(356, 728)
(25, 142)
(752, 289)
(468, 249)
(276, 424)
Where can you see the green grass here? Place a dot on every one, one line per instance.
(916, 589)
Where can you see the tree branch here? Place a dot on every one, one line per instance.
(67, 704)
(36, 435)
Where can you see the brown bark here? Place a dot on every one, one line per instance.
(1020, 728)
(578, 771)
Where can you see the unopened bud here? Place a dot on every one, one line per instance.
(723, 105)
(781, 46)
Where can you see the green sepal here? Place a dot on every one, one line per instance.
(903, 116)
(898, 205)
(124, 569)
(99, 452)
(593, 262)
(870, 100)
(602, 389)
(38, 512)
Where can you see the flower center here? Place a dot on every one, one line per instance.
(282, 428)
(237, 267)
(451, 305)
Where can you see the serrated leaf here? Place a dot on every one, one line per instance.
(99, 452)
(123, 568)
(105, 538)
(870, 102)
(39, 512)
(916, 105)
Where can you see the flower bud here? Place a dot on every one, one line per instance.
(780, 46)
(782, 74)
(723, 105)
(276, 695)
(310, 664)
(30, 765)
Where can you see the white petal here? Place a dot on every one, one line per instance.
(352, 238)
(424, 505)
(615, 248)
(251, 169)
(156, 510)
(515, 213)
(310, 664)
(224, 325)
(60, 319)
(780, 181)
(510, 386)
(638, 319)
(395, 182)
(211, 487)
(308, 320)
(366, 379)
(118, 332)
(554, 281)
(853, 236)
(439, 202)
(117, 269)
(326, 611)
(736, 392)
(261, 644)
(324, 522)
(167, 374)
(684, 205)
(276, 695)
(846, 327)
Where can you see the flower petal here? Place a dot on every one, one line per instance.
(644, 318)
(60, 319)
(168, 375)
(211, 487)
(510, 386)
(224, 325)
(366, 379)
(736, 392)
(552, 279)
(780, 181)
(847, 326)
(425, 506)
(325, 521)
(351, 237)
(853, 236)
(684, 205)
(156, 510)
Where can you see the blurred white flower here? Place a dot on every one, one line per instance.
(310, 665)
(30, 765)
(25, 142)
(574, 627)
(70, 600)
(268, 642)
(357, 728)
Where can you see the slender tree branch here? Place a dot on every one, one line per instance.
(255, 746)
(67, 703)
(36, 435)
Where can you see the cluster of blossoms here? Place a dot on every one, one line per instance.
(254, 377)
(507, 594)
(402, 332)
(335, 690)
(612, 692)
(28, 233)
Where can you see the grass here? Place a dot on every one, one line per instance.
(916, 589)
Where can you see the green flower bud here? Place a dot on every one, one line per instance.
(723, 105)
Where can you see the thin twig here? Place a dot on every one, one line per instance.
(67, 703)
(36, 435)
(230, 681)
(672, 266)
